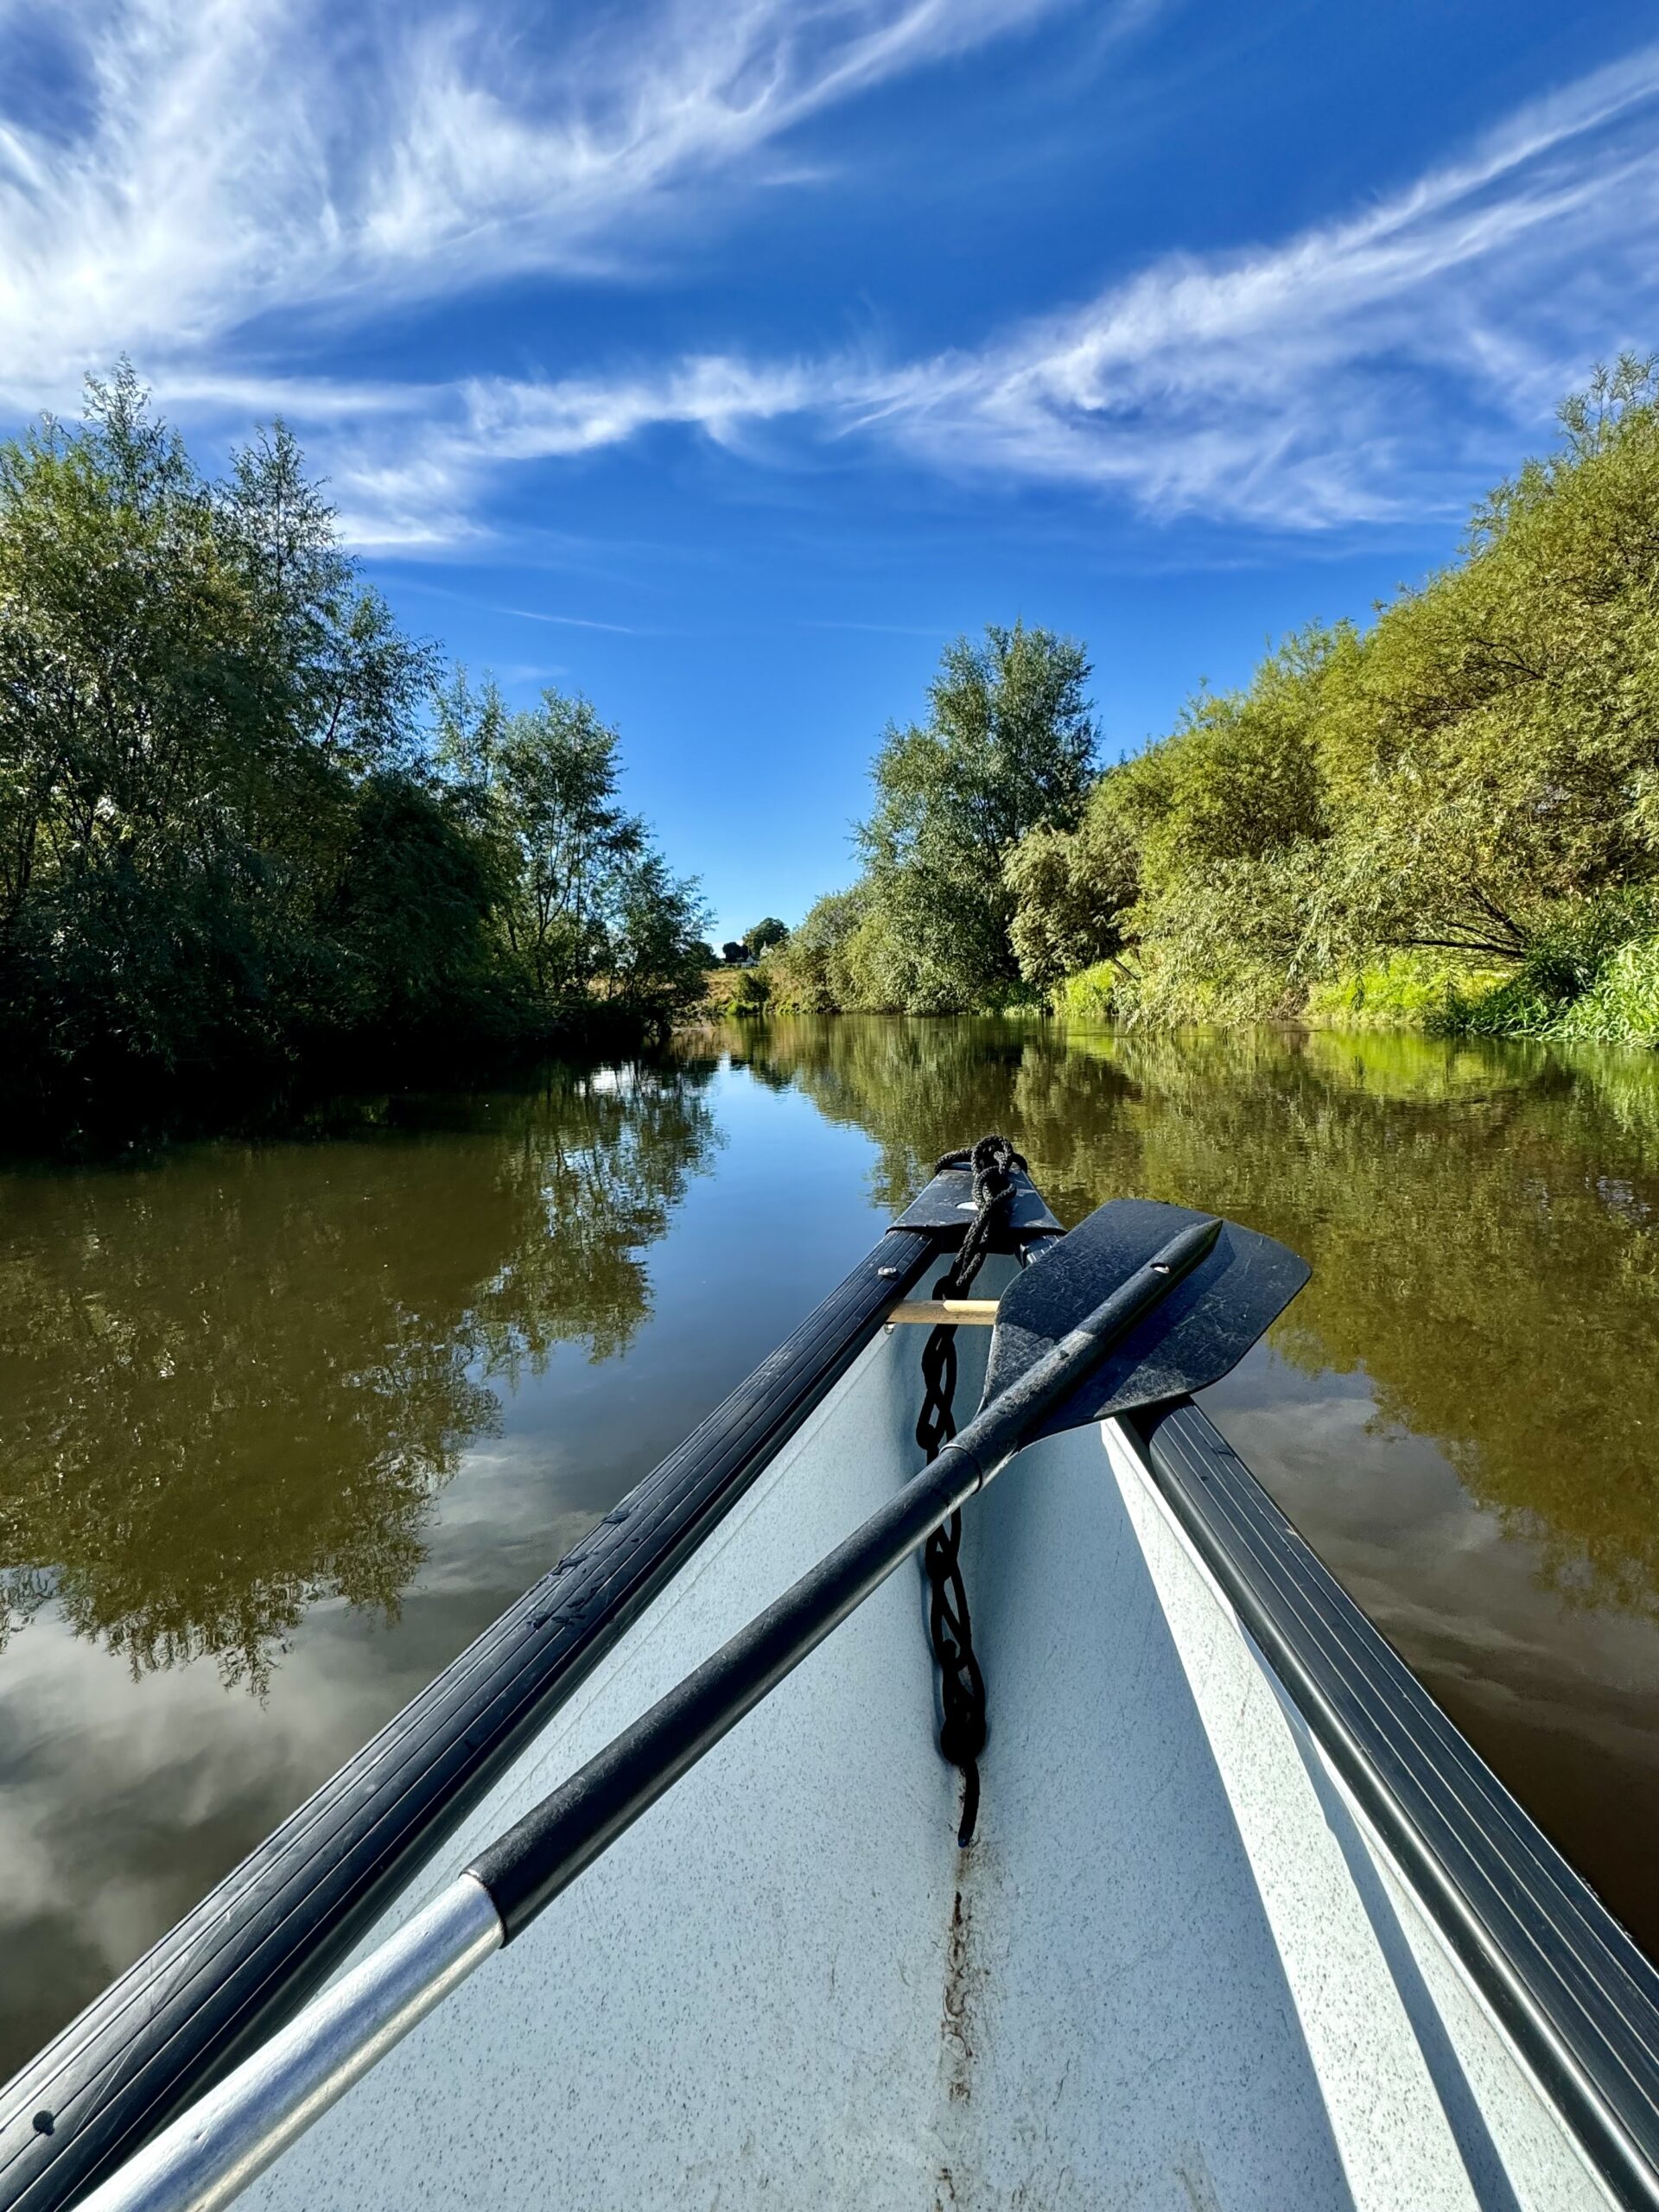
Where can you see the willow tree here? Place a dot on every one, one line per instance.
(206, 720)
(1493, 751)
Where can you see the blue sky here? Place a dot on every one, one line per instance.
(721, 359)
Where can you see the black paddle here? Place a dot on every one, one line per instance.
(1140, 1304)
(1199, 1331)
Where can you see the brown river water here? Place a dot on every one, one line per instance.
(283, 1425)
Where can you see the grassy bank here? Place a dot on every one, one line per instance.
(1593, 978)
(1591, 981)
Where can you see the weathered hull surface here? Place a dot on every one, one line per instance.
(1174, 1969)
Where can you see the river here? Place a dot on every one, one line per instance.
(283, 1425)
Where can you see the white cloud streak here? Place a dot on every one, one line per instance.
(1362, 370)
(170, 170)
(1288, 385)
(1300, 385)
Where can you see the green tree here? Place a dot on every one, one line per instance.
(1074, 890)
(586, 901)
(810, 973)
(1494, 748)
(1237, 911)
(654, 966)
(231, 828)
(1007, 748)
(197, 697)
(764, 936)
(413, 917)
(1386, 822)
(544, 783)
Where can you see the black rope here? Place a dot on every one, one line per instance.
(961, 1685)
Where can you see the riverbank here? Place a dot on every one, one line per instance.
(1592, 979)
(1588, 984)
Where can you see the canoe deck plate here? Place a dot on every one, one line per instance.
(946, 1207)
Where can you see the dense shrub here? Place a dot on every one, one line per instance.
(1452, 818)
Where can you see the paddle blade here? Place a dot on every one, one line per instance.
(1192, 1338)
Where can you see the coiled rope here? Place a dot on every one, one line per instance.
(961, 1685)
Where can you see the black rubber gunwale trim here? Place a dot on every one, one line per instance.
(266, 1936)
(1579, 2000)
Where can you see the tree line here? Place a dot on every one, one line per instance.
(1450, 818)
(245, 820)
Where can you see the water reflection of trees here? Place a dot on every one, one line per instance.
(1481, 1220)
(232, 1384)
(922, 1088)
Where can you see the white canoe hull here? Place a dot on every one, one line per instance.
(1175, 1969)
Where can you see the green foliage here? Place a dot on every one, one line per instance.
(1591, 971)
(651, 968)
(1495, 743)
(1073, 889)
(585, 905)
(764, 936)
(1399, 990)
(1621, 1006)
(225, 839)
(1452, 818)
(1227, 824)
(1007, 748)
(1089, 993)
(411, 917)
(193, 687)
(814, 971)
(753, 994)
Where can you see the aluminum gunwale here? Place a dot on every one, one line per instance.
(1577, 1997)
(267, 1934)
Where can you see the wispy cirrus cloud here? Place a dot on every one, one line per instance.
(1291, 384)
(414, 474)
(1301, 384)
(172, 169)
(203, 170)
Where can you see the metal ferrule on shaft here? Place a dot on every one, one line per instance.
(210, 2153)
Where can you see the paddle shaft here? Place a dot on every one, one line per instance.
(206, 2156)
(524, 1870)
